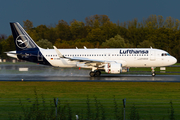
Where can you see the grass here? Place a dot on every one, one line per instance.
(137, 90)
(147, 96)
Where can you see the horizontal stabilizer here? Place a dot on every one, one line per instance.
(13, 54)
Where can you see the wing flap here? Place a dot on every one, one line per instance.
(79, 59)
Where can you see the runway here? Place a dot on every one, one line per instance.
(44, 73)
(103, 78)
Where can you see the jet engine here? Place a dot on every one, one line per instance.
(113, 68)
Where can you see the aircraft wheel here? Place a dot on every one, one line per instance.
(153, 74)
(98, 73)
(92, 74)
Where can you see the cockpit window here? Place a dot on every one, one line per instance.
(165, 54)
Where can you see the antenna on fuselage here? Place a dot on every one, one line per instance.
(150, 47)
(85, 47)
(76, 48)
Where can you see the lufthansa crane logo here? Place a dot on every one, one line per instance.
(22, 41)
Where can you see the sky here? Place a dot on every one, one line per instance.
(49, 12)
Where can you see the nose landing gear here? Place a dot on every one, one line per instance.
(153, 74)
(153, 71)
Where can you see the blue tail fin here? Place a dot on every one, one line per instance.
(21, 39)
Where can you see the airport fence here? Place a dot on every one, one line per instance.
(89, 108)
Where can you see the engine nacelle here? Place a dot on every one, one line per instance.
(113, 68)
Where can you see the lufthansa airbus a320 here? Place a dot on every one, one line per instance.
(108, 60)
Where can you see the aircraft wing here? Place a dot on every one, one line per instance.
(81, 59)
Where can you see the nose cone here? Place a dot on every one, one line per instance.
(173, 60)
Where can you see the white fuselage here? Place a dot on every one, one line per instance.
(128, 57)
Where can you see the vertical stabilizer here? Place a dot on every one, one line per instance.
(21, 39)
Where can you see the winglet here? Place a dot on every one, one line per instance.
(58, 52)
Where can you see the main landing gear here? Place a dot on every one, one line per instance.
(153, 71)
(95, 73)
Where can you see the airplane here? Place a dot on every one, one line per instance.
(112, 61)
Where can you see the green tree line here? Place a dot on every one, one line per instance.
(98, 31)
